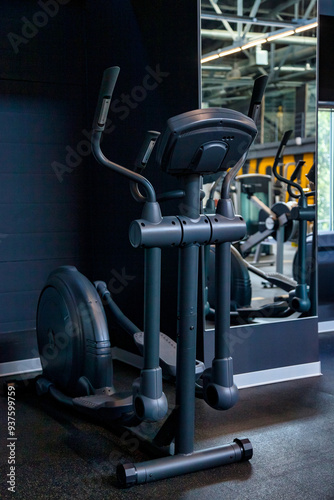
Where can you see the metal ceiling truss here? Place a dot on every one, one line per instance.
(232, 23)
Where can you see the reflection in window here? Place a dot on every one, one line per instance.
(325, 169)
(241, 41)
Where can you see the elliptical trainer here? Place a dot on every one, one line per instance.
(79, 371)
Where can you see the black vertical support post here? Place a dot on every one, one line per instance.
(223, 299)
(150, 402)
(186, 349)
(219, 390)
(152, 281)
(203, 307)
(299, 298)
(302, 232)
(187, 326)
(314, 270)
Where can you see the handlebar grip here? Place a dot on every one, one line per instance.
(311, 174)
(144, 154)
(109, 79)
(297, 170)
(282, 145)
(258, 91)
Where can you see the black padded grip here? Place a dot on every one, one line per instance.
(282, 145)
(258, 91)
(297, 170)
(109, 79)
(311, 174)
(146, 150)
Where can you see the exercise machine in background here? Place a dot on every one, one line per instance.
(293, 218)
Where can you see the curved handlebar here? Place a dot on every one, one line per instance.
(225, 190)
(297, 170)
(143, 156)
(281, 147)
(278, 158)
(259, 88)
(109, 79)
(294, 176)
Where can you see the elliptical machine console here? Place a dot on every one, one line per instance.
(204, 141)
(72, 330)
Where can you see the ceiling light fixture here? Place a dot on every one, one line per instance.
(306, 27)
(210, 58)
(253, 43)
(228, 52)
(280, 35)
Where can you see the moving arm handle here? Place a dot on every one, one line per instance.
(294, 176)
(311, 174)
(103, 104)
(109, 79)
(146, 149)
(141, 161)
(258, 91)
(297, 170)
(278, 159)
(280, 151)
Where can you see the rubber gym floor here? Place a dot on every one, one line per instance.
(60, 454)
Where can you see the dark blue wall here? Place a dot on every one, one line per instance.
(142, 38)
(43, 221)
(57, 205)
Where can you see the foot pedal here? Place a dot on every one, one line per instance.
(275, 309)
(121, 402)
(282, 281)
(167, 355)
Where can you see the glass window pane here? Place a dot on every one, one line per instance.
(325, 169)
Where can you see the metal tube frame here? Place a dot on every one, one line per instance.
(152, 291)
(180, 425)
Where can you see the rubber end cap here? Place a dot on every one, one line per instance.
(126, 475)
(43, 386)
(247, 448)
